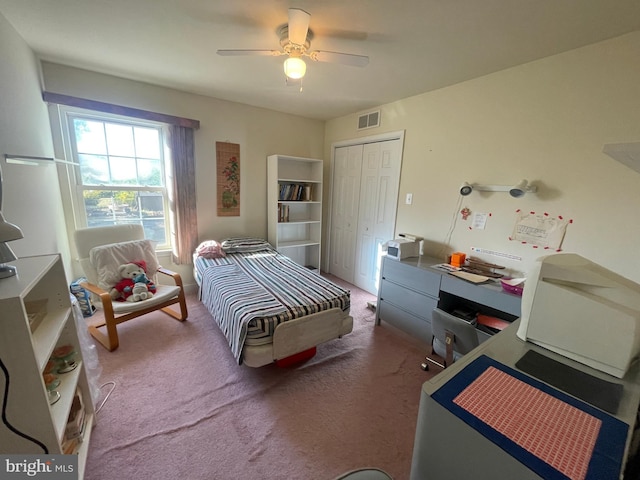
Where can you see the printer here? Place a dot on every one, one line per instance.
(582, 311)
(406, 246)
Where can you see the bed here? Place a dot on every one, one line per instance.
(269, 307)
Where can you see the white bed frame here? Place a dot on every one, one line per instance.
(297, 335)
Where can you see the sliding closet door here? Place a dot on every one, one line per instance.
(344, 210)
(379, 183)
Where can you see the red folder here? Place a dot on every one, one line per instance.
(492, 322)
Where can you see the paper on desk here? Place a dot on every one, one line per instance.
(513, 281)
(470, 277)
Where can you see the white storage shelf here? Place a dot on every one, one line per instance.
(300, 222)
(295, 224)
(304, 178)
(25, 355)
(48, 333)
(297, 243)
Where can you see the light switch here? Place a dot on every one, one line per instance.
(409, 199)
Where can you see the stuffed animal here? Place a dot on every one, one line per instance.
(142, 278)
(139, 292)
(130, 290)
(210, 249)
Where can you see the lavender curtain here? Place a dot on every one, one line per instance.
(182, 193)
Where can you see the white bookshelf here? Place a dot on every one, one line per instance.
(294, 203)
(25, 354)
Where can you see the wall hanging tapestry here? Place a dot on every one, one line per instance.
(228, 172)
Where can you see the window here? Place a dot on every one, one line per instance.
(120, 176)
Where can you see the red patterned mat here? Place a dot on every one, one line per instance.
(552, 430)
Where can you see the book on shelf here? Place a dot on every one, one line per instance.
(283, 213)
(69, 446)
(295, 192)
(76, 420)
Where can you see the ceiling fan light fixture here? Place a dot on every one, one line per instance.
(294, 67)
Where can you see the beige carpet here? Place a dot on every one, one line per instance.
(183, 409)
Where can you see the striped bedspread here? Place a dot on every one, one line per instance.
(249, 294)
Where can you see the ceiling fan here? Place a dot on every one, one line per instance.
(295, 39)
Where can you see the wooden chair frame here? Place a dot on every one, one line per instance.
(110, 341)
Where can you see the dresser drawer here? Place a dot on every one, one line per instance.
(409, 276)
(418, 304)
(416, 327)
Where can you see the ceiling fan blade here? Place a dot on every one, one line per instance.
(229, 53)
(342, 58)
(298, 26)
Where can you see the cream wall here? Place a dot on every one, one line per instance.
(31, 194)
(259, 132)
(545, 121)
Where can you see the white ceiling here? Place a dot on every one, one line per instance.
(414, 45)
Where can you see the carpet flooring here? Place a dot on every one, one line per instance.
(183, 409)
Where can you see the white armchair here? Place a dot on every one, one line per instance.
(101, 250)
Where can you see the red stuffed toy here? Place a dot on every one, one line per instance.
(135, 285)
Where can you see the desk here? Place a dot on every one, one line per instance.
(446, 447)
(410, 289)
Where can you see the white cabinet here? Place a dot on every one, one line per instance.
(41, 287)
(294, 197)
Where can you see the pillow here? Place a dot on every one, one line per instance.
(107, 258)
(210, 249)
(245, 245)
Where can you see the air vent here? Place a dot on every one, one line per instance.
(369, 120)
